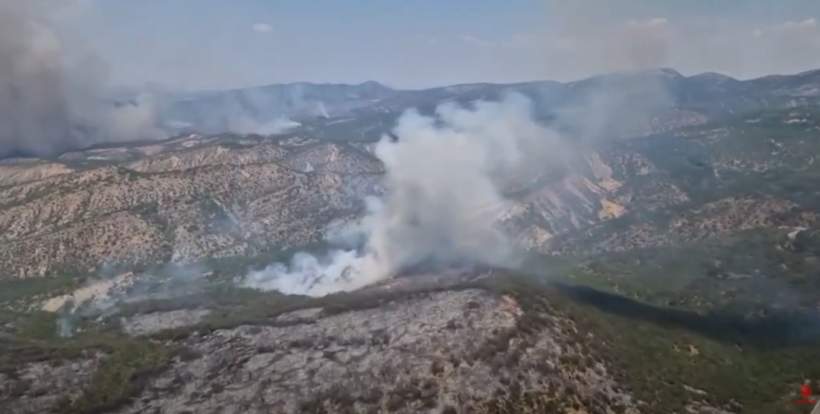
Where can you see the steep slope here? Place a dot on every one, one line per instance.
(742, 233)
(738, 173)
(195, 197)
(180, 200)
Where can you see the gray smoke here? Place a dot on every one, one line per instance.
(632, 54)
(444, 181)
(52, 97)
(446, 176)
(245, 124)
(113, 292)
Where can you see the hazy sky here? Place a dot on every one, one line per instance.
(205, 44)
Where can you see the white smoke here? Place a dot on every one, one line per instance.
(105, 296)
(444, 181)
(248, 125)
(53, 94)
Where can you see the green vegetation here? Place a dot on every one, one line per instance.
(120, 376)
(123, 365)
(660, 363)
(772, 153)
(653, 362)
(14, 291)
(656, 363)
(746, 270)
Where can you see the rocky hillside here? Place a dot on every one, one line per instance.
(700, 234)
(496, 343)
(739, 173)
(720, 215)
(196, 197)
(182, 199)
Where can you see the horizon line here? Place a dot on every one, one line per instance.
(399, 89)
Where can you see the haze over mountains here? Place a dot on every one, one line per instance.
(640, 242)
(336, 152)
(280, 108)
(172, 258)
(275, 108)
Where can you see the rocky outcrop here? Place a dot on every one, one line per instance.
(424, 353)
(484, 345)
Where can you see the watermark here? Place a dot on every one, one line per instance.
(805, 393)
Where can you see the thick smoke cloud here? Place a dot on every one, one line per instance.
(446, 176)
(444, 180)
(52, 97)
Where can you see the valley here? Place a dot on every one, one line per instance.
(697, 226)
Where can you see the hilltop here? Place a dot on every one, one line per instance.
(696, 225)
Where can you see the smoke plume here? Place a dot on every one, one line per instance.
(631, 53)
(444, 180)
(52, 97)
(247, 125)
(107, 294)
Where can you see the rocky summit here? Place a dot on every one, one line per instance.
(669, 265)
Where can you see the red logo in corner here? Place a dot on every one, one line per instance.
(805, 393)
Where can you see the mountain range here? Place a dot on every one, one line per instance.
(266, 109)
(669, 264)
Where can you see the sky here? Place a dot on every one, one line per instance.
(220, 44)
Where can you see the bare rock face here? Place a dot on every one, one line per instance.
(144, 324)
(40, 387)
(491, 344)
(432, 351)
(392, 349)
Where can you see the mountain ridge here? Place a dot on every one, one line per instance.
(380, 85)
(120, 293)
(263, 109)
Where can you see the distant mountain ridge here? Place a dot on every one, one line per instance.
(275, 108)
(246, 110)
